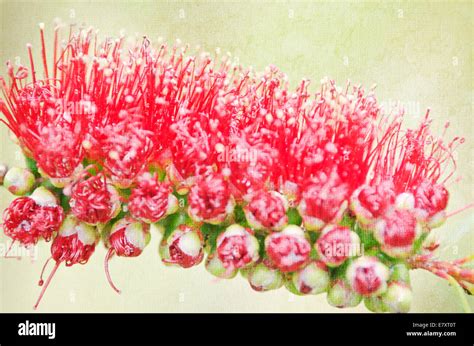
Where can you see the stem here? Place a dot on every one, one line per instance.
(41, 282)
(460, 210)
(8, 251)
(461, 295)
(110, 253)
(56, 266)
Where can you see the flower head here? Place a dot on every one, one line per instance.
(267, 210)
(368, 276)
(336, 244)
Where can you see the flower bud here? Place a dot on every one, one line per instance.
(367, 276)
(398, 297)
(210, 200)
(431, 201)
(288, 250)
(263, 278)
(129, 237)
(94, 201)
(336, 244)
(397, 232)
(312, 279)
(267, 210)
(375, 304)
(323, 201)
(19, 181)
(75, 242)
(184, 247)
(341, 295)
(237, 247)
(405, 201)
(370, 202)
(216, 267)
(3, 171)
(27, 219)
(150, 200)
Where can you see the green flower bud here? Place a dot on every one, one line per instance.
(398, 297)
(215, 266)
(263, 278)
(341, 295)
(19, 181)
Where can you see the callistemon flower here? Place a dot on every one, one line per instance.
(75, 243)
(289, 249)
(151, 200)
(336, 244)
(237, 247)
(263, 277)
(19, 181)
(323, 201)
(94, 200)
(341, 295)
(312, 279)
(431, 201)
(27, 219)
(210, 199)
(368, 276)
(397, 232)
(127, 238)
(267, 210)
(370, 202)
(183, 247)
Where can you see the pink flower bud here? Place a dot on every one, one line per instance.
(431, 201)
(127, 238)
(323, 201)
(397, 232)
(267, 210)
(370, 202)
(312, 279)
(151, 200)
(94, 201)
(368, 276)
(184, 247)
(288, 250)
(336, 244)
(210, 199)
(27, 219)
(237, 247)
(19, 181)
(75, 243)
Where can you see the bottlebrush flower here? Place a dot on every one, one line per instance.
(371, 202)
(127, 238)
(19, 181)
(27, 219)
(264, 278)
(431, 201)
(323, 201)
(341, 295)
(183, 247)
(210, 199)
(288, 250)
(151, 200)
(237, 247)
(267, 210)
(216, 267)
(368, 276)
(336, 244)
(94, 200)
(397, 232)
(75, 243)
(312, 279)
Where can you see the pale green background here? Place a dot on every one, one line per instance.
(419, 54)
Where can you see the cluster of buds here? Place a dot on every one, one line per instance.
(317, 193)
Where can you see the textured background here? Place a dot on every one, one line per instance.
(419, 54)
